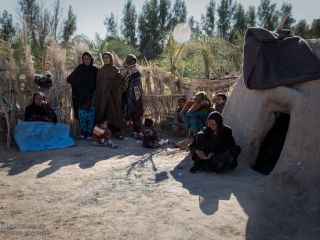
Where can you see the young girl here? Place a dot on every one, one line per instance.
(150, 136)
(102, 134)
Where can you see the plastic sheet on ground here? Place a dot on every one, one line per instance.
(35, 136)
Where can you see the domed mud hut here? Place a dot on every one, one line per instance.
(274, 109)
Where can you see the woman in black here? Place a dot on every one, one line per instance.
(40, 110)
(83, 84)
(214, 148)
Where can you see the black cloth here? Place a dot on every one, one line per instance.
(83, 83)
(33, 109)
(209, 142)
(33, 112)
(273, 59)
(220, 144)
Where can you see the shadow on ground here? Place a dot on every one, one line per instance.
(272, 213)
(85, 154)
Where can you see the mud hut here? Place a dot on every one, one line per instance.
(278, 131)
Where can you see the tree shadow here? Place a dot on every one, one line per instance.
(85, 154)
(273, 212)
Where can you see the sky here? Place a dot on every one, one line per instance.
(91, 13)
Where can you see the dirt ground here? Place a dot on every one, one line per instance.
(92, 192)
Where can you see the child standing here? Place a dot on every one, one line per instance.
(102, 134)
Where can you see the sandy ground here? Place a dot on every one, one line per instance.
(93, 192)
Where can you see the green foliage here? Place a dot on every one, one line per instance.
(112, 27)
(301, 29)
(154, 24)
(121, 48)
(18, 51)
(7, 30)
(56, 18)
(129, 23)
(179, 13)
(251, 16)
(208, 20)
(101, 45)
(287, 8)
(195, 28)
(30, 11)
(210, 57)
(69, 26)
(43, 27)
(240, 22)
(225, 12)
(315, 28)
(268, 14)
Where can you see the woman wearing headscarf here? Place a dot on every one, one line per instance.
(40, 110)
(195, 114)
(109, 82)
(214, 148)
(83, 84)
(131, 100)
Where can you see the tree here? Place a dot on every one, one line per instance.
(154, 25)
(69, 26)
(30, 12)
(195, 28)
(164, 16)
(268, 14)
(240, 21)
(56, 19)
(129, 21)
(43, 26)
(287, 9)
(209, 19)
(7, 30)
(112, 26)
(148, 28)
(315, 28)
(179, 13)
(251, 16)
(225, 12)
(301, 29)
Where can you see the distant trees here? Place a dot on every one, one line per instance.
(129, 23)
(179, 13)
(55, 21)
(112, 26)
(268, 14)
(251, 16)
(315, 28)
(225, 11)
(7, 30)
(154, 26)
(69, 26)
(149, 31)
(208, 20)
(30, 12)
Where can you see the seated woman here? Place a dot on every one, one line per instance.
(194, 114)
(40, 110)
(37, 131)
(214, 148)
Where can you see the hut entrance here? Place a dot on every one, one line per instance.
(272, 144)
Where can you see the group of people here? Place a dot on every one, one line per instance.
(103, 98)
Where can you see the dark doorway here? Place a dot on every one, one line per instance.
(272, 144)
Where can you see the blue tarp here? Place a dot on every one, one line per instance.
(34, 136)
